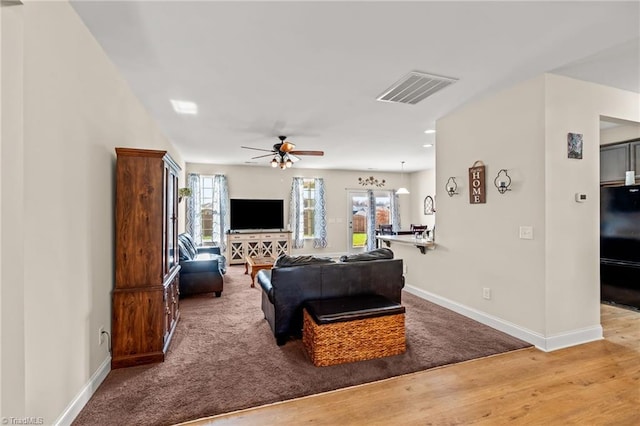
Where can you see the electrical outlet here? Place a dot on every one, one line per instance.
(404, 267)
(101, 335)
(486, 293)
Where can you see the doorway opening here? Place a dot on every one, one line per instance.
(358, 214)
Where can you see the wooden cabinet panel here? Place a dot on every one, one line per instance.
(271, 244)
(137, 329)
(145, 299)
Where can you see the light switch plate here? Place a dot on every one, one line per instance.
(526, 232)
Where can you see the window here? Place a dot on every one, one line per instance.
(307, 212)
(309, 207)
(206, 209)
(383, 208)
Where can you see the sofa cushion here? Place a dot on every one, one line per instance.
(284, 261)
(377, 254)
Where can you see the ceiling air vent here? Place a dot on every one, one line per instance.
(414, 87)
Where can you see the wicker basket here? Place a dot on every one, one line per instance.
(356, 340)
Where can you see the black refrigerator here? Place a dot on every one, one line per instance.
(620, 245)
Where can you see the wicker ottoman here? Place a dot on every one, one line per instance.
(354, 328)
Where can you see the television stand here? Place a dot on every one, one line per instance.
(259, 243)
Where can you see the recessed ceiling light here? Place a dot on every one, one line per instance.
(427, 145)
(429, 131)
(184, 107)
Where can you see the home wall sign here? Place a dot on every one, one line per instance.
(477, 193)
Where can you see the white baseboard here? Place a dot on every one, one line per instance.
(573, 338)
(546, 344)
(74, 408)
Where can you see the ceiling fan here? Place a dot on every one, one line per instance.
(284, 153)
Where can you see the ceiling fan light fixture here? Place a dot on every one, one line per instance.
(274, 162)
(289, 163)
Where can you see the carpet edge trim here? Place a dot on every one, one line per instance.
(347, 388)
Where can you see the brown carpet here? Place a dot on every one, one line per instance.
(225, 358)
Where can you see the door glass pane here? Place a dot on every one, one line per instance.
(358, 202)
(359, 218)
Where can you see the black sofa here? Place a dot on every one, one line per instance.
(202, 268)
(292, 281)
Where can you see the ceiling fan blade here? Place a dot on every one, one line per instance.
(319, 153)
(262, 156)
(257, 149)
(292, 157)
(287, 147)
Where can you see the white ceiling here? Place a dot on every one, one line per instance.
(312, 70)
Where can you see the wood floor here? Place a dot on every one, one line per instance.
(596, 383)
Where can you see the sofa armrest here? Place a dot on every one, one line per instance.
(195, 266)
(222, 261)
(264, 279)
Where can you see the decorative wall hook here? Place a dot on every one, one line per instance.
(502, 181)
(451, 186)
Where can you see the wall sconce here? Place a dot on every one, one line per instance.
(502, 181)
(451, 186)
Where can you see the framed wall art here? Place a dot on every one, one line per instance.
(574, 145)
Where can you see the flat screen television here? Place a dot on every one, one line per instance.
(256, 214)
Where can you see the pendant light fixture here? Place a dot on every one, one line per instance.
(402, 190)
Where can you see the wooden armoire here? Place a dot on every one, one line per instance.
(145, 299)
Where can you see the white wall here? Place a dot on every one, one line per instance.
(12, 313)
(547, 287)
(573, 229)
(620, 133)
(77, 109)
(266, 182)
(422, 184)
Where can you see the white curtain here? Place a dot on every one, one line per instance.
(371, 220)
(395, 211)
(295, 213)
(192, 221)
(220, 211)
(320, 217)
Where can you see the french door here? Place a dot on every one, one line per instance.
(358, 216)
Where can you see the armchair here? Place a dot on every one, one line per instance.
(202, 268)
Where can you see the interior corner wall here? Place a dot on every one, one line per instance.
(573, 229)
(547, 287)
(77, 109)
(478, 245)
